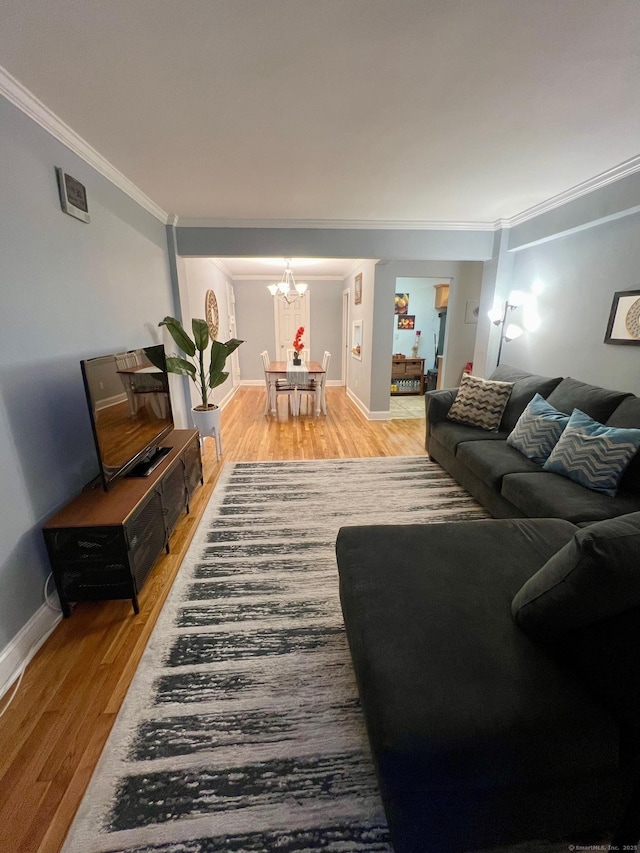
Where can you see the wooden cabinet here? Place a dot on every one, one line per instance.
(442, 296)
(103, 545)
(407, 376)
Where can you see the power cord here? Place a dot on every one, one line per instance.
(27, 660)
(45, 593)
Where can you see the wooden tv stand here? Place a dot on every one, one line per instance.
(102, 545)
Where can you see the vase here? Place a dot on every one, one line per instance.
(207, 422)
(297, 360)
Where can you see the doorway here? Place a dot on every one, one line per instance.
(231, 312)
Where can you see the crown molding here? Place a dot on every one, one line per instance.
(31, 106)
(340, 224)
(623, 170)
(220, 265)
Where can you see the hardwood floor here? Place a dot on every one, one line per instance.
(53, 732)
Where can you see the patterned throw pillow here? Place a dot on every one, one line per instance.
(480, 402)
(538, 429)
(592, 454)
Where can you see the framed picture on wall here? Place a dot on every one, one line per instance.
(471, 312)
(624, 319)
(406, 321)
(357, 290)
(401, 303)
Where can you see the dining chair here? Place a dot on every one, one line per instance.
(311, 388)
(281, 387)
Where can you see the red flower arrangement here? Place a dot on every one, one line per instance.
(297, 341)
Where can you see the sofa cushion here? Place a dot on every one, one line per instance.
(451, 435)
(491, 460)
(598, 403)
(594, 576)
(553, 496)
(480, 402)
(592, 454)
(525, 385)
(628, 415)
(538, 429)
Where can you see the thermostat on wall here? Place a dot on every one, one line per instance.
(73, 196)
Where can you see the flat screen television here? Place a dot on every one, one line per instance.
(130, 408)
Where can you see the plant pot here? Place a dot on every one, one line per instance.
(297, 360)
(207, 422)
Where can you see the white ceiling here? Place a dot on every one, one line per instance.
(379, 111)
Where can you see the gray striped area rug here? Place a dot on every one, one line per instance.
(242, 731)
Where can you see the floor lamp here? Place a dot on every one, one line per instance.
(511, 331)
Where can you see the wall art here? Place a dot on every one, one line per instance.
(357, 291)
(472, 310)
(624, 319)
(401, 303)
(406, 321)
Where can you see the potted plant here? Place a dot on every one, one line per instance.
(298, 346)
(206, 374)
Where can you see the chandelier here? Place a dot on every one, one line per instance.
(288, 290)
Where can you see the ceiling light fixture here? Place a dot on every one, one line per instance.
(288, 290)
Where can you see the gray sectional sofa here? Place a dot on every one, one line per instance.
(509, 484)
(482, 734)
(498, 661)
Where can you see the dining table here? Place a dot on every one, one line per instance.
(297, 375)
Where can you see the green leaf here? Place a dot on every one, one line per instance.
(218, 358)
(200, 334)
(218, 379)
(179, 335)
(181, 366)
(232, 345)
(155, 358)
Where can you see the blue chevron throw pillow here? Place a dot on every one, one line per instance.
(480, 402)
(538, 429)
(592, 454)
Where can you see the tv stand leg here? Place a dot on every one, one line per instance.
(136, 606)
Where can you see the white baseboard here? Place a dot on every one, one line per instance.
(17, 654)
(370, 416)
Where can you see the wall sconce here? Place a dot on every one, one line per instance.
(499, 318)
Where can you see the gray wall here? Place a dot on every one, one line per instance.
(580, 273)
(69, 291)
(256, 324)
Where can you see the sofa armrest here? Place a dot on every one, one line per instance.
(437, 405)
